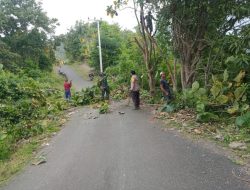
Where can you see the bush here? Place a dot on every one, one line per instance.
(225, 97)
(24, 104)
(243, 120)
(86, 96)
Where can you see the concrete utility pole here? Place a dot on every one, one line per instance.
(99, 43)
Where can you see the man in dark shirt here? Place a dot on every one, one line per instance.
(165, 88)
(103, 84)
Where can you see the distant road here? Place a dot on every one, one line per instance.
(78, 82)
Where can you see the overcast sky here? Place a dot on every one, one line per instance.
(68, 11)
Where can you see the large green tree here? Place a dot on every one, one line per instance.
(195, 25)
(24, 30)
(190, 26)
(74, 41)
(81, 43)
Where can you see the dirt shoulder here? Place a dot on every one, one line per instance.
(219, 137)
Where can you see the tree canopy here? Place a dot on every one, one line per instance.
(24, 33)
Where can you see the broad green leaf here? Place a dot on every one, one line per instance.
(244, 108)
(244, 120)
(1, 67)
(216, 89)
(239, 92)
(214, 78)
(195, 86)
(225, 76)
(201, 95)
(202, 91)
(240, 76)
(222, 99)
(3, 136)
(200, 107)
(230, 85)
(230, 59)
(244, 98)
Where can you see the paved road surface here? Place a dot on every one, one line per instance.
(77, 81)
(125, 152)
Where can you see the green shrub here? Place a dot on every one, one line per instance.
(104, 108)
(6, 149)
(205, 117)
(86, 96)
(225, 96)
(243, 120)
(24, 104)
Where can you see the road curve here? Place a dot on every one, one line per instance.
(78, 82)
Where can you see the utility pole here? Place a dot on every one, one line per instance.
(99, 43)
(99, 46)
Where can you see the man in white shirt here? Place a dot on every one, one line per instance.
(135, 90)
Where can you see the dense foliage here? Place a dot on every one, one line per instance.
(81, 43)
(111, 40)
(26, 104)
(87, 96)
(199, 41)
(28, 99)
(24, 34)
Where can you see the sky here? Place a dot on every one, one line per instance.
(69, 11)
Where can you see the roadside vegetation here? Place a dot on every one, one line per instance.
(30, 101)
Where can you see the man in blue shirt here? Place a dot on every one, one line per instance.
(166, 92)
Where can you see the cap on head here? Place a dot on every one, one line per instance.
(162, 73)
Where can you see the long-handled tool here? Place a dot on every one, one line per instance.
(129, 97)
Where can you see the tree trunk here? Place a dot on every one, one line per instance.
(151, 82)
(189, 41)
(182, 78)
(207, 70)
(146, 44)
(174, 77)
(187, 72)
(150, 73)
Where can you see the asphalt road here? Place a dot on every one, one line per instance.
(125, 152)
(78, 82)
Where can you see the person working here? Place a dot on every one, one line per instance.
(166, 92)
(103, 84)
(67, 87)
(134, 89)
